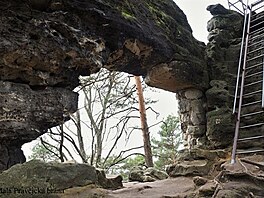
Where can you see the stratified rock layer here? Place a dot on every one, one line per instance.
(222, 51)
(39, 179)
(206, 115)
(46, 45)
(26, 114)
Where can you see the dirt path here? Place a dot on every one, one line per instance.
(169, 188)
(164, 188)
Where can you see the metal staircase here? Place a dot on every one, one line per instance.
(249, 93)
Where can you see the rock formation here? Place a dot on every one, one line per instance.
(39, 179)
(46, 45)
(225, 32)
(150, 174)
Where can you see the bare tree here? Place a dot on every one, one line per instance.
(109, 106)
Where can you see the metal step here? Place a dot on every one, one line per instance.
(258, 17)
(251, 125)
(260, 23)
(256, 57)
(254, 66)
(251, 138)
(256, 50)
(252, 93)
(255, 43)
(256, 3)
(256, 32)
(258, 7)
(250, 151)
(255, 37)
(252, 114)
(251, 103)
(254, 74)
(253, 83)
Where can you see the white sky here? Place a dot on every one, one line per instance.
(197, 16)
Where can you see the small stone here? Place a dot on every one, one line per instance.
(148, 175)
(148, 178)
(199, 181)
(207, 190)
(157, 174)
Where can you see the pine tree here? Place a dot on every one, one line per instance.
(144, 123)
(165, 147)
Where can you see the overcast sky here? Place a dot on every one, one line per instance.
(197, 15)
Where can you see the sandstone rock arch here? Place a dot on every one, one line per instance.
(44, 48)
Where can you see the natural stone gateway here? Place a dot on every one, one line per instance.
(46, 45)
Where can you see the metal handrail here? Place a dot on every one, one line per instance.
(262, 104)
(256, 3)
(248, 40)
(240, 62)
(233, 157)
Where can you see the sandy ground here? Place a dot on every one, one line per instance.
(169, 188)
(159, 189)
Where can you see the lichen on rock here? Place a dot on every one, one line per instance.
(47, 45)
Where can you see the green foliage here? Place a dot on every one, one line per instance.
(165, 147)
(132, 162)
(44, 153)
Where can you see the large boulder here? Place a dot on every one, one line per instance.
(45, 179)
(38, 179)
(196, 162)
(150, 174)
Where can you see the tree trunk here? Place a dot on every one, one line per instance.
(144, 124)
(61, 143)
(80, 138)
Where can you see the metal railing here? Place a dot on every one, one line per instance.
(251, 58)
(238, 5)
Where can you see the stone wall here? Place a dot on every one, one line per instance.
(192, 110)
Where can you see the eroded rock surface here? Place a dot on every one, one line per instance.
(222, 51)
(206, 115)
(146, 174)
(45, 46)
(39, 179)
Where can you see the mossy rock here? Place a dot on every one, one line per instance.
(45, 179)
(220, 126)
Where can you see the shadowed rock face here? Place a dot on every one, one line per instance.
(45, 45)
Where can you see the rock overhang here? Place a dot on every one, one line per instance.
(45, 47)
